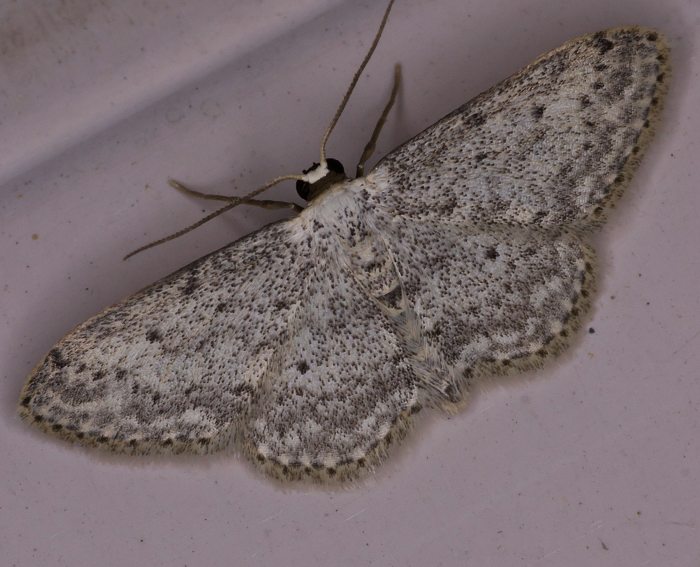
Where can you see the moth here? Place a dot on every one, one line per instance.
(309, 344)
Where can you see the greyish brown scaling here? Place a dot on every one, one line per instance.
(309, 344)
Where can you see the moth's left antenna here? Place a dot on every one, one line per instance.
(355, 78)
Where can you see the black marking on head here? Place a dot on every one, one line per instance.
(336, 174)
(153, 336)
(303, 367)
(56, 357)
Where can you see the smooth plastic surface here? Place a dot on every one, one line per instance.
(594, 460)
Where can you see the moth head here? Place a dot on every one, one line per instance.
(320, 177)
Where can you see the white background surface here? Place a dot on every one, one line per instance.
(593, 460)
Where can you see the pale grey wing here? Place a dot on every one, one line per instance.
(549, 146)
(341, 387)
(486, 302)
(175, 367)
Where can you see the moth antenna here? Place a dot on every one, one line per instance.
(276, 180)
(372, 144)
(355, 78)
(235, 201)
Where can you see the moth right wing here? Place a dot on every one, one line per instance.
(486, 302)
(549, 146)
(176, 366)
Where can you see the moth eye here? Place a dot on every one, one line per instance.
(335, 166)
(303, 189)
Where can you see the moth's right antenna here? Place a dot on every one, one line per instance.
(355, 78)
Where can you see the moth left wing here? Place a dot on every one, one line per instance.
(550, 146)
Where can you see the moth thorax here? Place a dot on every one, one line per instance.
(335, 174)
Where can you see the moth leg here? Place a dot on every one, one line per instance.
(262, 203)
(372, 144)
(232, 202)
(267, 204)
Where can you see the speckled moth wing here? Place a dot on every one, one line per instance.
(343, 384)
(175, 367)
(310, 342)
(549, 146)
(486, 302)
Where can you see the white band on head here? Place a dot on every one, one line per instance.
(317, 174)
